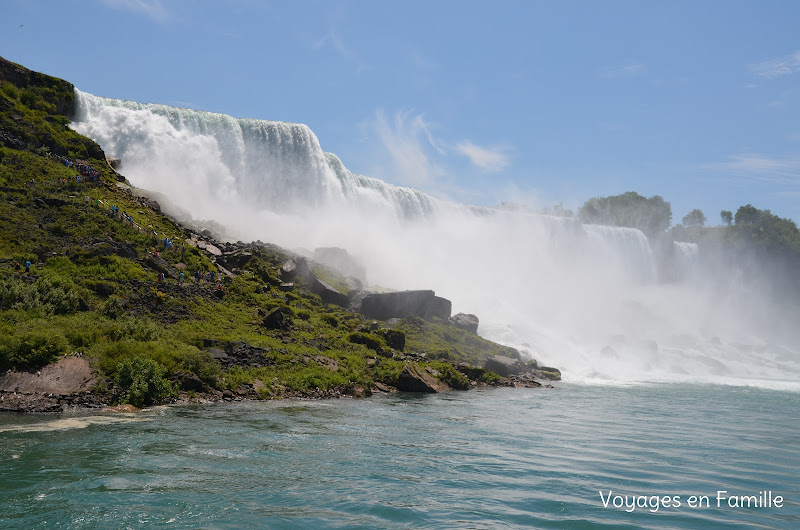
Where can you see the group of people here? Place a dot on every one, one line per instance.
(85, 171)
(17, 266)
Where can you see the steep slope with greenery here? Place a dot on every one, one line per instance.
(89, 269)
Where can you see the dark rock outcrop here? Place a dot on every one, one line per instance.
(465, 321)
(326, 291)
(415, 379)
(240, 354)
(277, 318)
(63, 92)
(383, 306)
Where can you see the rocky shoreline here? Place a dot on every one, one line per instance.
(70, 385)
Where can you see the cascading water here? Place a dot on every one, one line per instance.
(586, 299)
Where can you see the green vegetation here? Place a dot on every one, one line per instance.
(142, 381)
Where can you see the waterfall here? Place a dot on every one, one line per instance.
(584, 298)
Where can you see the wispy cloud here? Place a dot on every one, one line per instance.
(408, 140)
(629, 70)
(761, 168)
(786, 65)
(332, 39)
(491, 160)
(150, 8)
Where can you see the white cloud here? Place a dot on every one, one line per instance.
(761, 168)
(332, 39)
(491, 160)
(150, 8)
(407, 140)
(781, 66)
(623, 71)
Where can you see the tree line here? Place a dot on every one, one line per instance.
(749, 235)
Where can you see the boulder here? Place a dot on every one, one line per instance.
(188, 382)
(160, 265)
(548, 372)
(294, 268)
(277, 318)
(326, 291)
(383, 306)
(414, 379)
(503, 365)
(465, 321)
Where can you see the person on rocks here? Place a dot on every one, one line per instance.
(17, 266)
(27, 266)
(180, 276)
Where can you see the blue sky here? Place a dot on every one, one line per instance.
(479, 102)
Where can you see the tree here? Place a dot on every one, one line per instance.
(652, 216)
(695, 218)
(726, 216)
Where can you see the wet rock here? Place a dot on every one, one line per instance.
(548, 372)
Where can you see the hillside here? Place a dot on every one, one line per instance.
(144, 310)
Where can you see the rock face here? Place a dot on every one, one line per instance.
(424, 304)
(68, 375)
(239, 354)
(415, 379)
(63, 94)
(465, 321)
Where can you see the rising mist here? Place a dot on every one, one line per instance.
(591, 300)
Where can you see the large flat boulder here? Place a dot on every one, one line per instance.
(402, 304)
(70, 374)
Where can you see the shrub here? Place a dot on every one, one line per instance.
(142, 381)
(450, 376)
(31, 349)
(113, 307)
(373, 343)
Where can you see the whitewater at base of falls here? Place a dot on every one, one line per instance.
(586, 299)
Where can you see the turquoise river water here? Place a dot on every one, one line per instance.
(560, 458)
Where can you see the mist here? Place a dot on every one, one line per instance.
(590, 300)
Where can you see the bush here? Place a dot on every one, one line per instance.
(142, 381)
(113, 307)
(16, 294)
(31, 349)
(450, 376)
